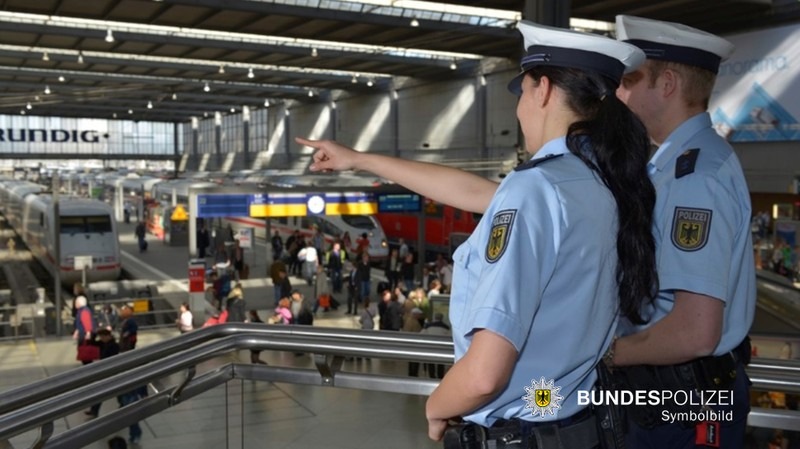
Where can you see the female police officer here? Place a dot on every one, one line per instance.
(565, 243)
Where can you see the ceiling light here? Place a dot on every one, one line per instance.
(36, 97)
(370, 83)
(149, 105)
(28, 106)
(310, 94)
(266, 103)
(354, 80)
(130, 111)
(221, 70)
(453, 65)
(205, 114)
(250, 73)
(22, 112)
(233, 110)
(414, 22)
(314, 53)
(114, 115)
(61, 78)
(45, 56)
(47, 90)
(109, 36)
(174, 96)
(80, 57)
(206, 88)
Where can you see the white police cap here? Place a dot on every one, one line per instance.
(560, 47)
(675, 42)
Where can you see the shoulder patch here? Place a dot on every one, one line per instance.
(499, 234)
(690, 228)
(534, 162)
(686, 162)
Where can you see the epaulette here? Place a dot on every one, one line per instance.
(686, 162)
(534, 162)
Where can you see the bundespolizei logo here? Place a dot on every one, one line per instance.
(499, 234)
(690, 228)
(542, 397)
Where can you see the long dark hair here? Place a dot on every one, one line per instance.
(613, 142)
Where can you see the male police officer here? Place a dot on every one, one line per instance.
(696, 336)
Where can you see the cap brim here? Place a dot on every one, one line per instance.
(515, 85)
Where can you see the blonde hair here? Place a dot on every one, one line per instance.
(697, 83)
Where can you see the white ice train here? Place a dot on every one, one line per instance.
(87, 228)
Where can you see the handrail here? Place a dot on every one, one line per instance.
(51, 386)
(40, 403)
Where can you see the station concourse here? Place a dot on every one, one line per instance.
(273, 415)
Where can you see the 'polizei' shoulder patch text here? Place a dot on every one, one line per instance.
(498, 236)
(690, 228)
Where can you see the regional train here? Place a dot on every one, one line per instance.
(87, 229)
(445, 226)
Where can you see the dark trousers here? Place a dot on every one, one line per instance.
(134, 431)
(352, 301)
(336, 280)
(680, 436)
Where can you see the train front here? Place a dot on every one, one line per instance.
(88, 230)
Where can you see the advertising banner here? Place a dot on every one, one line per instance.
(757, 94)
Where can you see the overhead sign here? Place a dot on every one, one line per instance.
(223, 205)
(179, 214)
(399, 202)
(303, 204)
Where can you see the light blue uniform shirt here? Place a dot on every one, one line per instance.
(702, 228)
(539, 270)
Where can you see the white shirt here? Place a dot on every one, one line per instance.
(185, 323)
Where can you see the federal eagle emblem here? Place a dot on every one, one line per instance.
(690, 228)
(542, 397)
(498, 236)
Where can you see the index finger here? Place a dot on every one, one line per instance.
(306, 142)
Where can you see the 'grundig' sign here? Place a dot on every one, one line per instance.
(53, 135)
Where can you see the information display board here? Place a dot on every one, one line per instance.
(399, 202)
(223, 205)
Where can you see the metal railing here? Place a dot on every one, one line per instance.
(39, 404)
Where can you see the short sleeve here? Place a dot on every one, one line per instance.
(517, 254)
(699, 224)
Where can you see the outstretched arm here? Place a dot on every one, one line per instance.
(447, 185)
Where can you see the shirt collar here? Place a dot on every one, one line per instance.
(552, 147)
(674, 144)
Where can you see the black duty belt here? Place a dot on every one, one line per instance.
(578, 431)
(703, 374)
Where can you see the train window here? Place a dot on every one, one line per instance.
(359, 221)
(89, 224)
(330, 229)
(98, 223)
(71, 225)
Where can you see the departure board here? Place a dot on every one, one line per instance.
(223, 205)
(399, 202)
